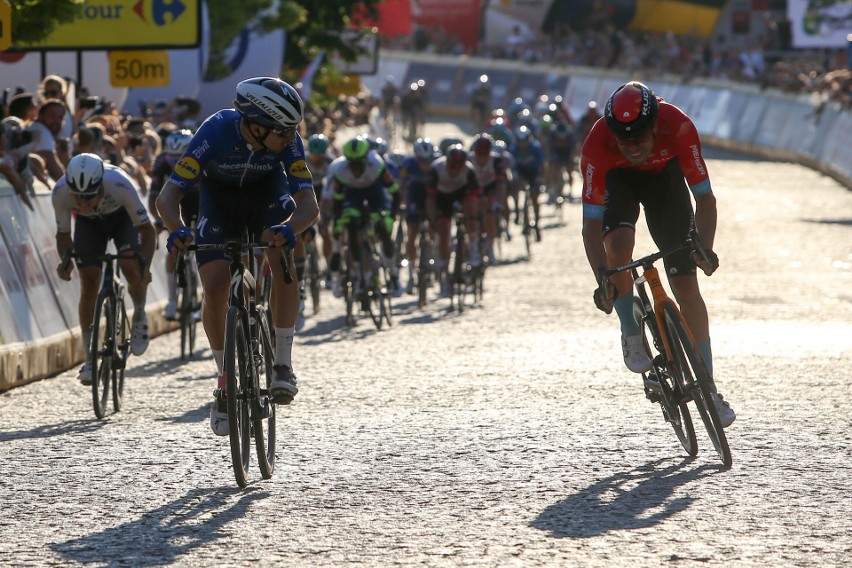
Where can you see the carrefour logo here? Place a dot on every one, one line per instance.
(161, 12)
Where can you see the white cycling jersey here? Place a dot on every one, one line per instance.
(491, 171)
(339, 173)
(444, 182)
(119, 191)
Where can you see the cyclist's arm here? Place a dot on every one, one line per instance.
(705, 218)
(306, 213)
(168, 206)
(148, 238)
(593, 243)
(64, 245)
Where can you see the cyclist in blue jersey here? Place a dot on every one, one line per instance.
(413, 180)
(529, 165)
(249, 164)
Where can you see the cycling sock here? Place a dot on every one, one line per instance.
(87, 340)
(624, 308)
(219, 357)
(707, 354)
(172, 285)
(284, 345)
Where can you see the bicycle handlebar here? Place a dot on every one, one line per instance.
(693, 242)
(237, 247)
(107, 256)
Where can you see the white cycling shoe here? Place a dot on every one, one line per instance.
(635, 356)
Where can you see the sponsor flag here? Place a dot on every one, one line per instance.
(306, 79)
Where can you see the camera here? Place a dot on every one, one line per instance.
(89, 102)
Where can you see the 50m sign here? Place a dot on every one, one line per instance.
(139, 68)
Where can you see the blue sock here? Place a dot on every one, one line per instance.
(707, 353)
(624, 309)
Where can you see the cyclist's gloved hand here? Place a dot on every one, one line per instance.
(710, 268)
(285, 231)
(604, 299)
(182, 235)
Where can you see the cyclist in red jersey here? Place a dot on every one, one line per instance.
(645, 151)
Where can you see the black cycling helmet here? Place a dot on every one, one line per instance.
(456, 155)
(270, 102)
(482, 143)
(631, 110)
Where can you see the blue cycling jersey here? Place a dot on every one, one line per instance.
(531, 159)
(410, 173)
(219, 155)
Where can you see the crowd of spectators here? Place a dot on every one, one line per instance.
(761, 61)
(41, 131)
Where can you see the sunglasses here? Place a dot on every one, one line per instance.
(280, 131)
(86, 196)
(51, 94)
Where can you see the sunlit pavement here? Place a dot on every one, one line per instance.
(508, 435)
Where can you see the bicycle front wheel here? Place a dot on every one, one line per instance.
(237, 361)
(121, 351)
(696, 380)
(371, 279)
(660, 384)
(101, 351)
(263, 410)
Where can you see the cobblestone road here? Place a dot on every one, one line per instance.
(511, 435)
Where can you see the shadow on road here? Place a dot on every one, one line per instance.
(163, 535)
(74, 427)
(636, 499)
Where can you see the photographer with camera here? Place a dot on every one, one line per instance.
(9, 169)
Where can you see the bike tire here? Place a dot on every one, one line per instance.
(674, 408)
(237, 359)
(696, 381)
(528, 229)
(424, 270)
(122, 348)
(314, 277)
(459, 276)
(372, 286)
(101, 351)
(263, 410)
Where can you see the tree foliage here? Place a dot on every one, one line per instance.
(34, 20)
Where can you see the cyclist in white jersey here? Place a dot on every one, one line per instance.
(108, 207)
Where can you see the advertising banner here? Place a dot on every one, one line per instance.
(128, 24)
(459, 18)
(25, 326)
(24, 253)
(820, 23)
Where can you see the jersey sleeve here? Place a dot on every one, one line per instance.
(593, 167)
(188, 169)
(299, 175)
(61, 200)
(691, 158)
(126, 192)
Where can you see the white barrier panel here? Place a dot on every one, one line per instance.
(25, 257)
(43, 232)
(26, 327)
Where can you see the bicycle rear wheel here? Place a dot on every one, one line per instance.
(528, 225)
(459, 276)
(671, 398)
(237, 361)
(122, 348)
(425, 269)
(696, 381)
(101, 350)
(263, 410)
(314, 284)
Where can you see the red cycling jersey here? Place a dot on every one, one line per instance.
(676, 137)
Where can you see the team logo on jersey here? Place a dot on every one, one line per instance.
(300, 169)
(188, 168)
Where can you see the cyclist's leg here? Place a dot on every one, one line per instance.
(470, 206)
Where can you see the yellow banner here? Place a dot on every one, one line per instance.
(674, 16)
(128, 24)
(5, 25)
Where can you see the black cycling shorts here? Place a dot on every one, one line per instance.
(668, 209)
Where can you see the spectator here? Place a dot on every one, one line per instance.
(55, 87)
(51, 117)
(24, 106)
(9, 169)
(114, 153)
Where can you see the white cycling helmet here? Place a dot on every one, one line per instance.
(178, 141)
(84, 174)
(269, 102)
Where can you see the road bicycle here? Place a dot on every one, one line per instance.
(464, 279)
(249, 355)
(110, 344)
(313, 276)
(679, 374)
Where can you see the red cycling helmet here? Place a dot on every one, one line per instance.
(631, 110)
